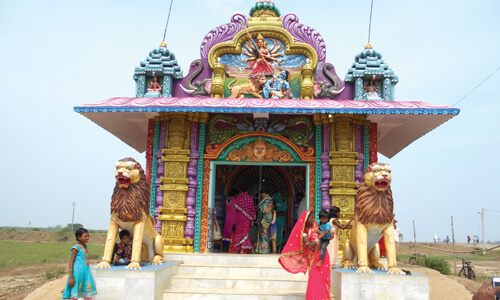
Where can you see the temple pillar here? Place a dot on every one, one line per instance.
(218, 80)
(326, 202)
(174, 184)
(373, 148)
(307, 85)
(343, 161)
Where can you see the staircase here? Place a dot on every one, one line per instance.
(233, 276)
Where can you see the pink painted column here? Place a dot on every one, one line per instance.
(326, 202)
(189, 229)
(160, 172)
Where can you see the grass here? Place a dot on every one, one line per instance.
(16, 253)
(54, 273)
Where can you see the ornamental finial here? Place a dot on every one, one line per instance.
(163, 44)
(368, 46)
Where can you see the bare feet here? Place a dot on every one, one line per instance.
(320, 262)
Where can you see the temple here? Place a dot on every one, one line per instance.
(261, 108)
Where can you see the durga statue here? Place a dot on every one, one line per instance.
(260, 56)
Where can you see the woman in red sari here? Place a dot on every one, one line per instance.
(301, 254)
(245, 213)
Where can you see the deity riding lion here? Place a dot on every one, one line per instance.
(373, 218)
(130, 211)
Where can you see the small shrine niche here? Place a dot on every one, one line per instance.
(154, 77)
(372, 77)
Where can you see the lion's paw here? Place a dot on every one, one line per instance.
(380, 266)
(347, 265)
(157, 260)
(103, 265)
(133, 266)
(395, 271)
(364, 270)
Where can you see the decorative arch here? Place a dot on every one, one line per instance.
(221, 151)
(235, 46)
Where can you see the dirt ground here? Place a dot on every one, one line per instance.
(29, 282)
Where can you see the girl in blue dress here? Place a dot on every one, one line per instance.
(80, 283)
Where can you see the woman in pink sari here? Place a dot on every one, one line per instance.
(245, 213)
(301, 254)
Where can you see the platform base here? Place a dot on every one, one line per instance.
(147, 283)
(347, 284)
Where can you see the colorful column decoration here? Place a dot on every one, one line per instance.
(199, 192)
(326, 202)
(160, 172)
(175, 183)
(343, 161)
(312, 188)
(149, 149)
(218, 80)
(317, 196)
(307, 84)
(204, 206)
(373, 143)
(366, 145)
(358, 138)
(193, 182)
(154, 165)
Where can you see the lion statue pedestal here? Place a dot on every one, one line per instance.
(130, 211)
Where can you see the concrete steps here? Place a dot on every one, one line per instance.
(229, 276)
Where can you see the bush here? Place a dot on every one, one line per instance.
(438, 264)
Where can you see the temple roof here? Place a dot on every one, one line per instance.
(370, 63)
(399, 123)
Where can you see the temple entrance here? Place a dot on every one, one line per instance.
(290, 181)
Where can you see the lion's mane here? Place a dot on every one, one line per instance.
(373, 206)
(130, 203)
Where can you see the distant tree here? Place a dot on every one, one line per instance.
(75, 226)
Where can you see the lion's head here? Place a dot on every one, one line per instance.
(132, 191)
(374, 203)
(128, 171)
(258, 81)
(378, 176)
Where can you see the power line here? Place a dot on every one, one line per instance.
(168, 19)
(477, 86)
(370, 26)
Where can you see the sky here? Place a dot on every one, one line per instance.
(58, 54)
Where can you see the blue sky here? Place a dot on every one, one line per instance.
(58, 54)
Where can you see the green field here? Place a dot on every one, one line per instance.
(16, 253)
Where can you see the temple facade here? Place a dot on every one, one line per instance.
(261, 108)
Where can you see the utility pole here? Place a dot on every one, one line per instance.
(453, 237)
(415, 238)
(73, 219)
(484, 239)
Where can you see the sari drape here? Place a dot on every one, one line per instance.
(230, 221)
(245, 213)
(296, 258)
(262, 244)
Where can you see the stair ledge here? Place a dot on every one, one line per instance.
(212, 277)
(235, 292)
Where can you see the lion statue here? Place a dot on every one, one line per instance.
(373, 218)
(252, 87)
(130, 211)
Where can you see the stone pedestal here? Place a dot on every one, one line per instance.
(147, 283)
(347, 284)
